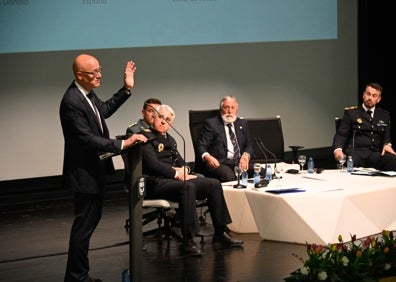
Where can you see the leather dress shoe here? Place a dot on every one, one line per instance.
(226, 240)
(191, 248)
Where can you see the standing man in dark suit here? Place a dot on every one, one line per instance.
(220, 153)
(364, 133)
(169, 178)
(86, 136)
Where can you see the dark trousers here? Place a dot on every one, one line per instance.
(224, 173)
(364, 157)
(87, 211)
(186, 193)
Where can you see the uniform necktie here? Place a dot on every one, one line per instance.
(369, 112)
(234, 142)
(95, 109)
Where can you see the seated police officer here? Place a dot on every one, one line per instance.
(169, 178)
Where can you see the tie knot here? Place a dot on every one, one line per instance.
(369, 112)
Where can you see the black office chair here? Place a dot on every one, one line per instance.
(196, 120)
(269, 131)
(337, 122)
(160, 210)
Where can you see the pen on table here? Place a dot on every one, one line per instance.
(333, 190)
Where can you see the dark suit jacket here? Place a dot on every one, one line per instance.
(83, 171)
(357, 130)
(213, 138)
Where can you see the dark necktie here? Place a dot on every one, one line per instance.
(234, 142)
(91, 98)
(369, 112)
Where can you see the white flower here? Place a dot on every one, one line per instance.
(344, 261)
(304, 270)
(387, 266)
(322, 276)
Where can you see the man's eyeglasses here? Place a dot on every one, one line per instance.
(94, 72)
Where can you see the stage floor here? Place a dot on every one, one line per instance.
(34, 242)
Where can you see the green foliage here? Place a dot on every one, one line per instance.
(365, 260)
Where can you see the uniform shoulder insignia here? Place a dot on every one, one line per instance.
(383, 110)
(132, 124)
(145, 129)
(351, 108)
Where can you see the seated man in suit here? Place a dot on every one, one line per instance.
(225, 142)
(364, 133)
(169, 178)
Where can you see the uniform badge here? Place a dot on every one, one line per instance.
(359, 120)
(160, 147)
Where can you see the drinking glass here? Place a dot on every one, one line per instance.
(302, 159)
(237, 172)
(257, 168)
(342, 160)
(278, 175)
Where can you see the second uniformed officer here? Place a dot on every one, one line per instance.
(364, 133)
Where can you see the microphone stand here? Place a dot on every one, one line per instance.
(353, 145)
(272, 154)
(264, 182)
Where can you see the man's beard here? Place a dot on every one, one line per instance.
(227, 118)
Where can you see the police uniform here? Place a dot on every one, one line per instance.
(159, 156)
(363, 137)
(138, 127)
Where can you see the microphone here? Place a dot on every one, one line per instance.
(262, 182)
(353, 144)
(272, 154)
(174, 129)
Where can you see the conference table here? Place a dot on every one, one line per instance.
(315, 208)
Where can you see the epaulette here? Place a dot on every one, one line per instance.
(145, 129)
(351, 108)
(132, 124)
(381, 109)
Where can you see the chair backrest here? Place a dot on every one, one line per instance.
(269, 130)
(337, 122)
(196, 120)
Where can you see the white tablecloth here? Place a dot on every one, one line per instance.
(334, 203)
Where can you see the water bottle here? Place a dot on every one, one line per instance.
(349, 164)
(125, 276)
(256, 178)
(268, 173)
(244, 178)
(311, 165)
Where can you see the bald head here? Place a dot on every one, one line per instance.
(84, 62)
(87, 71)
